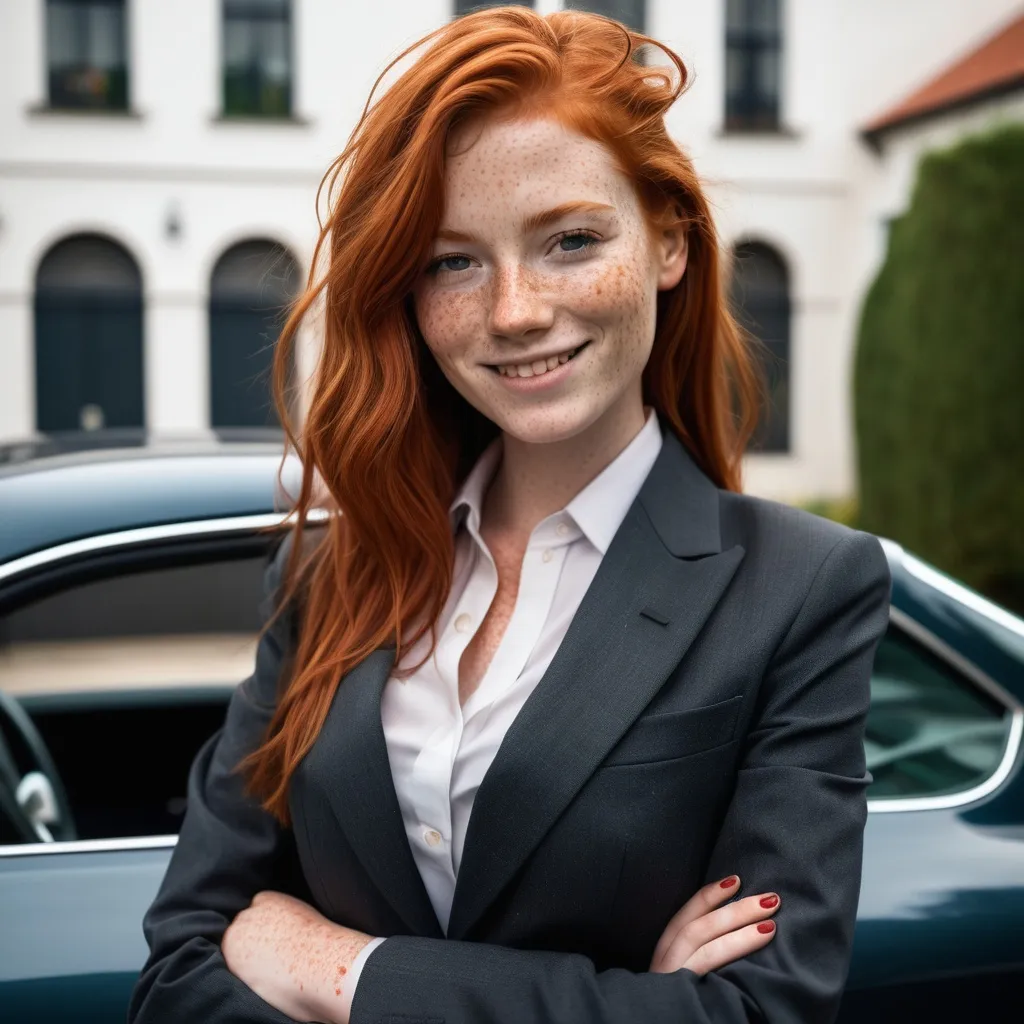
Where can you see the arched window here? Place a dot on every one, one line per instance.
(250, 289)
(759, 295)
(88, 337)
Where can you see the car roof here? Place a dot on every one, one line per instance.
(51, 493)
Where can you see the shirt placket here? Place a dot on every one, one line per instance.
(436, 762)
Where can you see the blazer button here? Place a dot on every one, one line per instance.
(462, 623)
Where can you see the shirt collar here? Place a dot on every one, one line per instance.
(470, 496)
(598, 510)
(602, 505)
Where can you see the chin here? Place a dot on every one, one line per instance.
(545, 427)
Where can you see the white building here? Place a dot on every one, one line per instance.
(159, 161)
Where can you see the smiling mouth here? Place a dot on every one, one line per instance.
(540, 367)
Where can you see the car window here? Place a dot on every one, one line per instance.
(125, 675)
(930, 730)
(179, 625)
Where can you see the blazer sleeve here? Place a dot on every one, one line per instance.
(229, 849)
(794, 826)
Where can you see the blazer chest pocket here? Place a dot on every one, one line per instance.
(672, 734)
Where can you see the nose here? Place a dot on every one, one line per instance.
(518, 305)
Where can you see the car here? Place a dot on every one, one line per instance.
(130, 580)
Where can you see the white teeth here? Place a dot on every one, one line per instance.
(539, 367)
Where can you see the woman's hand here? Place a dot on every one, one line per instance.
(702, 938)
(292, 957)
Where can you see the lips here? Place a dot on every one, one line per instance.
(539, 367)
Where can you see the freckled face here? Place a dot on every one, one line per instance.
(515, 286)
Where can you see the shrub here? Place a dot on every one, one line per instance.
(939, 370)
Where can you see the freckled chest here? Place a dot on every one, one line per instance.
(508, 559)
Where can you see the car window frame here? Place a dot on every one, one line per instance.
(969, 673)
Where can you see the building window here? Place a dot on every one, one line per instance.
(753, 64)
(258, 58)
(759, 296)
(87, 58)
(629, 12)
(88, 337)
(466, 6)
(251, 288)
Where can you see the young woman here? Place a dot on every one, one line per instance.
(548, 691)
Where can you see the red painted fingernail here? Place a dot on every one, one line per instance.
(769, 901)
(766, 927)
(728, 883)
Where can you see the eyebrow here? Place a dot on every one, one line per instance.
(535, 221)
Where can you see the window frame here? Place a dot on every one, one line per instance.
(124, 107)
(752, 43)
(257, 116)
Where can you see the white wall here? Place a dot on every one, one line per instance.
(818, 194)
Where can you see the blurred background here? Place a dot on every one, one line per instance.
(159, 162)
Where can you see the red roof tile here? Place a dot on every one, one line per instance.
(994, 67)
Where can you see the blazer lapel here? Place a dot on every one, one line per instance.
(660, 579)
(352, 756)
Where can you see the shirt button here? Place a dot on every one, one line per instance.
(562, 529)
(548, 555)
(462, 623)
(432, 837)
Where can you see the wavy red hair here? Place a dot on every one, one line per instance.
(389, 437)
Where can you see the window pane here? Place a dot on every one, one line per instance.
(86, 54)
(930, 732)
(103, 35)
(465, 6)
(257, 58)
(753, 45)
(759, 298)
(764, 16)
(629, 12)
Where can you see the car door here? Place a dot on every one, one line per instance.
(939, 931)
(124, 650)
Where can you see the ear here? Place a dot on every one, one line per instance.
(671, 252)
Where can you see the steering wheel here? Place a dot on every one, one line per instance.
(39, 808)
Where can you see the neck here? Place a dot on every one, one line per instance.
(535, 480)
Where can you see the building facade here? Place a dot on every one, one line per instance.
(159, 164)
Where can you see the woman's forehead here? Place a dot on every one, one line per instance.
(530, 160)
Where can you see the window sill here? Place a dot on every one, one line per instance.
(276, 120)
(110, 114)
(782, 132)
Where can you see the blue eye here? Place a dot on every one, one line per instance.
(578, 241)
(439, 264)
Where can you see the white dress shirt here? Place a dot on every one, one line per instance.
(439, 750)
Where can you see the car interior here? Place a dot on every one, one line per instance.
(123, 666)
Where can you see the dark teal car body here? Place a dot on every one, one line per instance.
(99, 549)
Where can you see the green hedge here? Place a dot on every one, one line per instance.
(939, 370)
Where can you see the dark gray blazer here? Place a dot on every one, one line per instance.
(704, 715)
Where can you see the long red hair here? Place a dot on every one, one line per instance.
(386, 433)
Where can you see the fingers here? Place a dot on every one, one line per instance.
(740, 916)
(731, 918)
(701, 902)
(731, 946)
